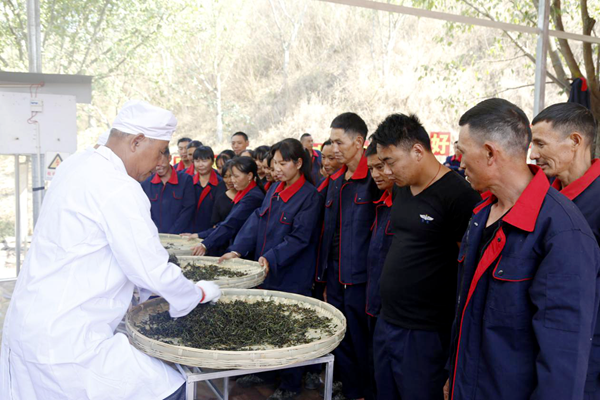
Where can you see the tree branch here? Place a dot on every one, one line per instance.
(565, 49)
(588, 57)
(94, 34)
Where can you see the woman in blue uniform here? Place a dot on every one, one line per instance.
(249, 197)
(208, 185)
(282, 235)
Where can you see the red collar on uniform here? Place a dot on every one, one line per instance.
(578, 186)
(180, 166)
(524, 213)
(268, 185)
(361, 171)
(290, 191)
(386, 198)
(213, 180)
(240, 195)
(173, 180)
(456, 158)
(323, 185)
(315, 154)
(190, 171)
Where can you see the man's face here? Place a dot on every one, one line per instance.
(146, 156)
(190, 152)
(345, 146)
(239, 144)
(376, 167)
(163, 167)
(474, 160)
(203, 167)
(183, 154)
(550, 150)
(399, 164)
(330, 163)
(308, 142)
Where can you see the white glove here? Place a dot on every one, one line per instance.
(211, 291)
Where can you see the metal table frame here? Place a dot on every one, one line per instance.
(195, 374)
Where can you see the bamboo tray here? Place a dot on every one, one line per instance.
(219, 359)
(255, 274)
(178, 245)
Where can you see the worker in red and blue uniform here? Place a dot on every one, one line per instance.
(191, 147)
(528, 272)
(342, 256)
(207, 184)
(316, 158)
(381, 233)
(248, 198)
(184, 162)
(171, 196)
(282, 236)
(563, 136)
(453, 161)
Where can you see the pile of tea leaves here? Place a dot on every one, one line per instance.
(239, 325)
(198, 272)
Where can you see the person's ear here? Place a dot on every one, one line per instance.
(417, 151)
(136, 141)
(299, 164)
(576, 140)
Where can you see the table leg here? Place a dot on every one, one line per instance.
(226, 388)
(328, 380)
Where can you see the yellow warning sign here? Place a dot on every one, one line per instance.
(55, 162)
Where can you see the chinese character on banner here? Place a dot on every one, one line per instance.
(440, 143)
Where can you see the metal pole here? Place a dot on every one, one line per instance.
(541, 55)
(17, 213)
(35, 65)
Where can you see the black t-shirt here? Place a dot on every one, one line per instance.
(418, 282)
(221, 209)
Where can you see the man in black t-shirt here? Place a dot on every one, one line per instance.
(431, 209)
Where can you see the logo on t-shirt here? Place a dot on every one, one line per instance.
(425, 218)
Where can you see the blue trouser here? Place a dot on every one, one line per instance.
(409, 364)
(351, 356)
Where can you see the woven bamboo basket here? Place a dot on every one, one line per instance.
(255, 274)
(239, 359)
(178, 245)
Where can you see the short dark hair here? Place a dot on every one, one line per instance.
(183, 139)
(351, 123)
(371, 149)
(292, 150)
(246, 165)
(242, 134)
(326, 143)
(261, 152)
(249, 151)
(569, 117)
(226, 167)
(195, 144)
(269, 159)
(305, 135)
(204, 153)
(501, 121)
(402, 131)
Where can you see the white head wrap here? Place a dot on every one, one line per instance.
(138, 116)
(102, 139)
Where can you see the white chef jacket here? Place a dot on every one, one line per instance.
(94, 241)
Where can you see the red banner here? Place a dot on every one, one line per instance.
(441, 143)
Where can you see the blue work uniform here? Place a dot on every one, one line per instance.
(349, 209)
(205, 200)
(585, 192)
(171, 204)
(180, 166)
(317, 161)
(526, 300)
(284, 231)
(453, 162)
(381, 240)
(218, 238)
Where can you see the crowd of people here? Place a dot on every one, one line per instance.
(476, 288)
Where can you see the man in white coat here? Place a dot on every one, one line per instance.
(95, 241)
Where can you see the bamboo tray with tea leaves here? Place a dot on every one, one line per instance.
(234, 273)
(178, 245)
(152, 331)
